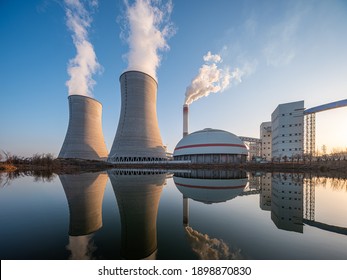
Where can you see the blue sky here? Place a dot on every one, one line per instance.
(287, 51)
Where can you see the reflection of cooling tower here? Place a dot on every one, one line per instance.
(84, 138)
(138, 135)
(138, 200)
(84, 193)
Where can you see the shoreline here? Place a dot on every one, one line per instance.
(75, 166)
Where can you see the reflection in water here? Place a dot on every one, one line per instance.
(210, 248)
(138, 195)
(84, 193)
(81, 247)
(209, 186)
(287, 201)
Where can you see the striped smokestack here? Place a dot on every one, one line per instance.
(185, 119)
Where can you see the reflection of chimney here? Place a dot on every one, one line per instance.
(84, 193)
(138, 198)
(185, 119)
(185, 211)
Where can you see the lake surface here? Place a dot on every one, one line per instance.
(198, 214)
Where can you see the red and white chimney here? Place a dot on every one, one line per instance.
(185, 119)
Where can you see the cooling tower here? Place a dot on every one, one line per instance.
(84, 138)
(138, 135)
(185, 119)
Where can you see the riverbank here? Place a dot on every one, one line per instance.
(69, 166)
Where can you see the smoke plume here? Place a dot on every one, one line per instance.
(81, 247)
(210, 248)
(84, 64)
(147, 29)
(211, 79)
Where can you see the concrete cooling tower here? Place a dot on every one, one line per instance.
(84, 138)
(138, 135)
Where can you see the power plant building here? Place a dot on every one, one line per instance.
(138, 136)
(84, 138)
(211, 146)
(266, 140)
(288, 130)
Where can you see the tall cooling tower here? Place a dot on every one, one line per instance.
(84, 138)
(138, 135)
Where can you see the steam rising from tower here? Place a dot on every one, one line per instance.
(210, 79)
(147, 29)
(85, 64)
(138, 135)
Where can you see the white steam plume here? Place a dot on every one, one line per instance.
(148, 27)
(211, 79)
(210, 248)
(85, 64)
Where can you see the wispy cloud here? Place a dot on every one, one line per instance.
(281, 43)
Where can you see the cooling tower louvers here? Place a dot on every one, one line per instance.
(138, 135)
(84, 138)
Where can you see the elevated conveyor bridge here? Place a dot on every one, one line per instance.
(310, 123)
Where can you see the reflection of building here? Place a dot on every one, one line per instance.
(288, 130)
(138, 196)
(287, 201)
(265, 192)
(266, 140)
(209, 186)
(211, 146)
(84, 193)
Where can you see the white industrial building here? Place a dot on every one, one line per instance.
(211, 146)
(266, 140)
(288, 130)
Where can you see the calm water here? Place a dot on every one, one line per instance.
(186, 215)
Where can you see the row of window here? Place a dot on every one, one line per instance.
(296, 149)
(291, 125)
